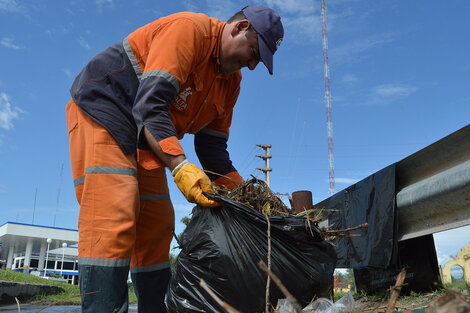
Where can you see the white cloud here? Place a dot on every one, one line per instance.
(83, 43)
(349, 51)
(348, 181)
(9, 6)
(386, 93)
(454, 239)
(2, 189)
(391, 90)
(190, 6)
(349, 78)
(8, 43)
(456, 272)
(185, 207)
(306, 28)
(442, 259)
(68, 73)
(222, 10)
(7, 114)
(299, 17)
(451, 242)
(104, 3)
(303, 7)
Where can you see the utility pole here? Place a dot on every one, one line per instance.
(266, 169)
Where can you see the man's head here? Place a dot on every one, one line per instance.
(250, 36)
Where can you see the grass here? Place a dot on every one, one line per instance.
(458, 284)
(70, 295)
(413, 299)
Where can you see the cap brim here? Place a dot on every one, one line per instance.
(265, 54)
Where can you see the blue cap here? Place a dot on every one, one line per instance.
(267, 24)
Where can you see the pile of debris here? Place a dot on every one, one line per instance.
(256, 194)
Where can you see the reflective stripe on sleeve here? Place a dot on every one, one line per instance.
(104, 170)
(131, 56)
(170, 78)
(104, 262)
(79, 181)
(214, 133)
(150, 268)
(155, 197)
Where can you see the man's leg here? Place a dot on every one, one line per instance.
(106, 187)
(150, 268)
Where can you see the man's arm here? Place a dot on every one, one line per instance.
(211, 149)
(171, 161)
(190, 179)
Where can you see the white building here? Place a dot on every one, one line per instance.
(26, 247)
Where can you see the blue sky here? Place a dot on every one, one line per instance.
(399, 82)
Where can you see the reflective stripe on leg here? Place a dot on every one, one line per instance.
(155, 224)
(104, 262)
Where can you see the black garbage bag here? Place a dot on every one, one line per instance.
(224, 245)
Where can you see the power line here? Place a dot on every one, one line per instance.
(34, 207)
(58, 192)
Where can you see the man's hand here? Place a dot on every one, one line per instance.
(192, 182)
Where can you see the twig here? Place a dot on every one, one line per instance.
(305, 212)
(223, 304)
(347, 235)
(214, 173)
(338, 232)
(79, 295)
(281, 286)
(177, 239)
(396, 307)
(268, 281)
(18, 304)
(396, 291)
(309, 226)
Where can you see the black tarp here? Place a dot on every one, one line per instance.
(417, 256)
(371, 200)
(224, 245)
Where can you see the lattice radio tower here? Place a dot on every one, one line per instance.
(329, 123)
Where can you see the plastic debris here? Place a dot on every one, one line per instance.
(321, 305)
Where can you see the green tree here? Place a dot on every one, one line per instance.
(350, 278)
(172, 261)
(185, 220)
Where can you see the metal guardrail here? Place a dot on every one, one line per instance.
(433, 187)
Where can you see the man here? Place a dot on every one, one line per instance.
(130, 105)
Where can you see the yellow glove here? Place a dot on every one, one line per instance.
(192, 181)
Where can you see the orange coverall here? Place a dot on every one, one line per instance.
(163, 76)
